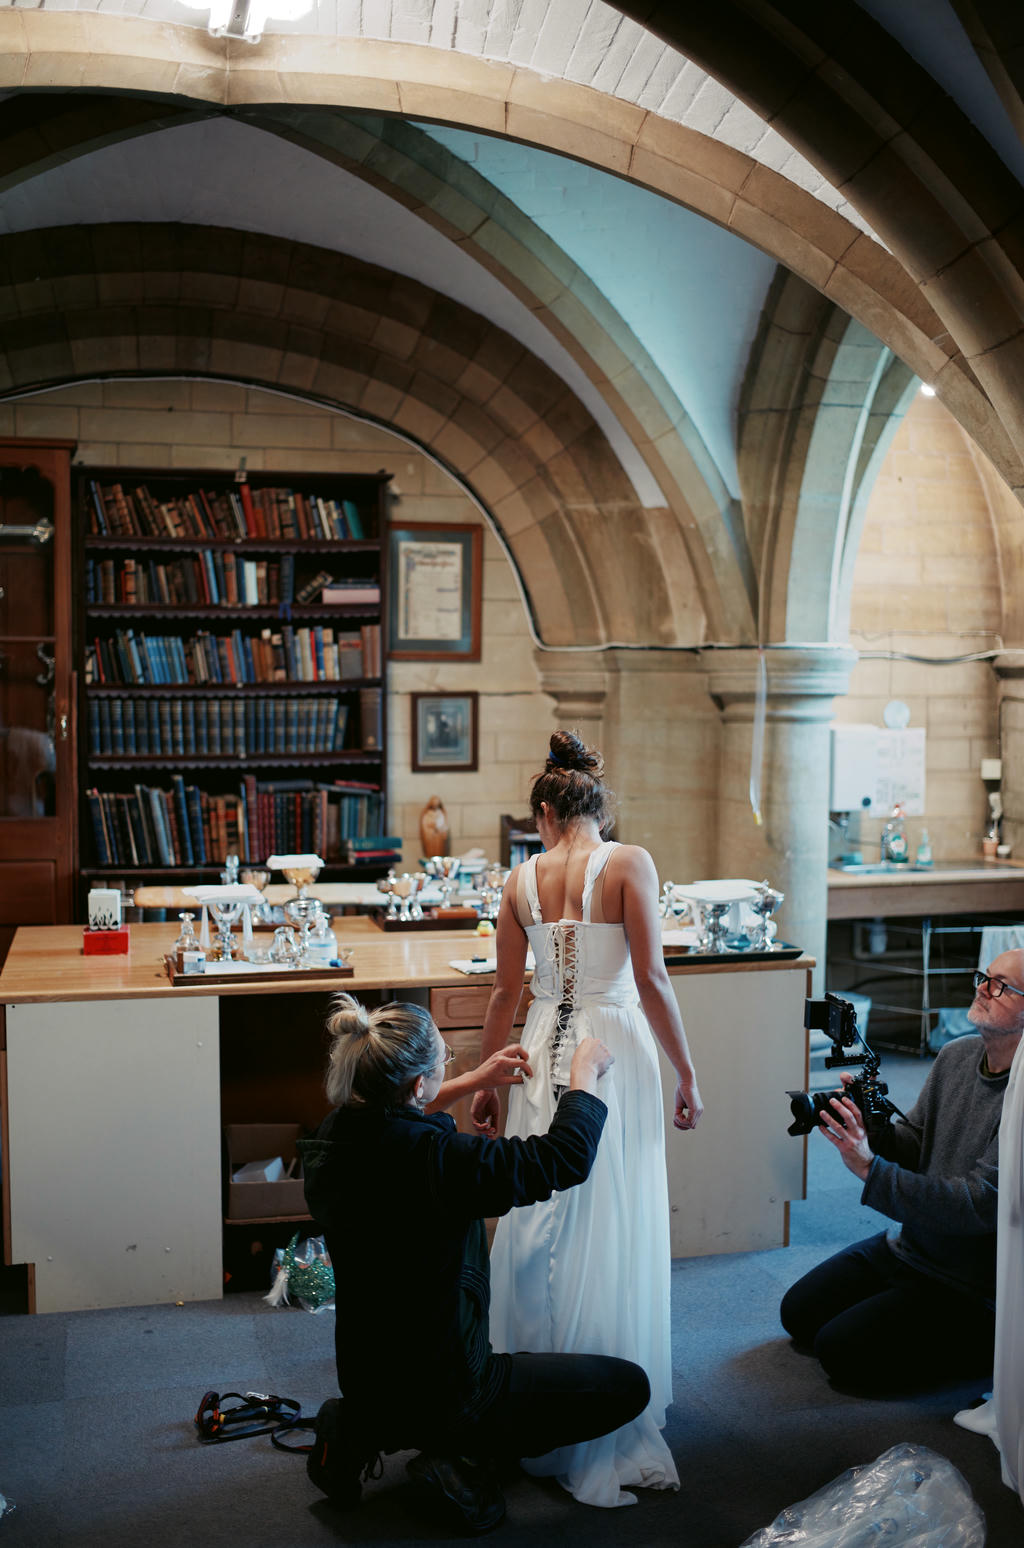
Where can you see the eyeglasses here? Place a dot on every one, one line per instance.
(995, 986)
(449, 1055)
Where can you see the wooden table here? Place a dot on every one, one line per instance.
(115, 1086)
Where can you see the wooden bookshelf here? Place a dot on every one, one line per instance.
(223, 705)
(37, 724)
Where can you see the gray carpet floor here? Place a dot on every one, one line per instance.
(97, 1445)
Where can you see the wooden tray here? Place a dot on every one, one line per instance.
(430, 921)
(251, 973)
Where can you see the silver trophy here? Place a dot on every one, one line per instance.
(495, 878)
(764, 906)
(406, 889)
(386, 885)
(226, 912)
(714, 927)
(259, 877)
(444, 869)
(302, 914)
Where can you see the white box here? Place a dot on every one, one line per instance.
(104, 908)
(853, 767)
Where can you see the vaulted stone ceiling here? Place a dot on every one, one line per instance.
(414, 142)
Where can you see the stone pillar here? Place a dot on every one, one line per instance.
(649, 712)
(790, 848)
(578, 683)
(1010, 674)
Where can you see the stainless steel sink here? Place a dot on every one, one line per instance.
(884, 868)
(877, 868)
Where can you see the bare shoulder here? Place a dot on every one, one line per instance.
(633, 864)
(632, 855)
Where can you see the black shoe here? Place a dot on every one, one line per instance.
(338, 1462)
(463, 1491)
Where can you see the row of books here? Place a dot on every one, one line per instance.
(215, 728)
(227, 515)
(206, 579)
(217, 578)
(305, 655)
(186, 826)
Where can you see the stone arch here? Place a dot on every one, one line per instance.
(820, 402)
(406, 165)
(83, 49)
(178, 300)
(847, 96)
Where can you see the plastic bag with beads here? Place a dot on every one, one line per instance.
(303, 1271)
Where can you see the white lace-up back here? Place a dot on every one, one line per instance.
(588, 1271)
(577, 962)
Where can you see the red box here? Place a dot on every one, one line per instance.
(105, 943)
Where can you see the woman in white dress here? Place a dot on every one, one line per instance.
(588, 1271)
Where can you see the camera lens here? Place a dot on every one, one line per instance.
(807, 1110)
(805, 1117)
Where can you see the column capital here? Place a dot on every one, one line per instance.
(1009, 664)
(578, 682)
(802, 679)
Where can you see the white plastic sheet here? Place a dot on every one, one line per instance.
(909, 1497)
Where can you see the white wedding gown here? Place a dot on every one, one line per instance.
(1002, 1417)
(587, 1272)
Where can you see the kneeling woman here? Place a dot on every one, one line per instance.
(400, 1194)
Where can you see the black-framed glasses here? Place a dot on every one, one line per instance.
(995, 986)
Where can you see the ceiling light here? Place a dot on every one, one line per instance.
(927, 389)
(246, 19)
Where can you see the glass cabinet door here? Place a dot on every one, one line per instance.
(36, 731)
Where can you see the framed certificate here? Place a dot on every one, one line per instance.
(434, 592)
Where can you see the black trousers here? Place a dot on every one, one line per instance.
(878, 1325)
(556, 1400)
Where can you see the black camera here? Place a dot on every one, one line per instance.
(838, 1020)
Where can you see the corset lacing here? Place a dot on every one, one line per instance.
(562, 948)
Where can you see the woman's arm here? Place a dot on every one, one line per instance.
(511, 946)
(643, 930)
(505, 1068)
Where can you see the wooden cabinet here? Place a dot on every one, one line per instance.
(37, 725)
(232, 682)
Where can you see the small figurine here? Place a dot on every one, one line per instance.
(434, 828)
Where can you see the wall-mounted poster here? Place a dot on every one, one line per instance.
(434, 584)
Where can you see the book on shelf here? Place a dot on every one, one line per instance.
(351, 593)
(370, 719)
(375, 841)
(307, 592)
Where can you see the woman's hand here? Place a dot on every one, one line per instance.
(688, 1103)
(590, 1061)
(485, 1112)
(509, 1066)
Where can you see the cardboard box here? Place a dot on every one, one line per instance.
(284, 1200)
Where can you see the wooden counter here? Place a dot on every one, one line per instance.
(970, 887)
(112, 1109)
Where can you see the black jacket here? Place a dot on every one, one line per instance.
(399, 1196)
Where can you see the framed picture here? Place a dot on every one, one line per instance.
(444, 732)
(434, 588)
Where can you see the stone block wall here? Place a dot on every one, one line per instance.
(206, 424)
(929, 583)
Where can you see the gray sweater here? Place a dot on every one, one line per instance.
(937, 1172)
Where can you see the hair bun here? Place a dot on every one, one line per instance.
(348, 1015)
(568, 752)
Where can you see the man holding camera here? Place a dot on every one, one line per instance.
(914, 1306)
